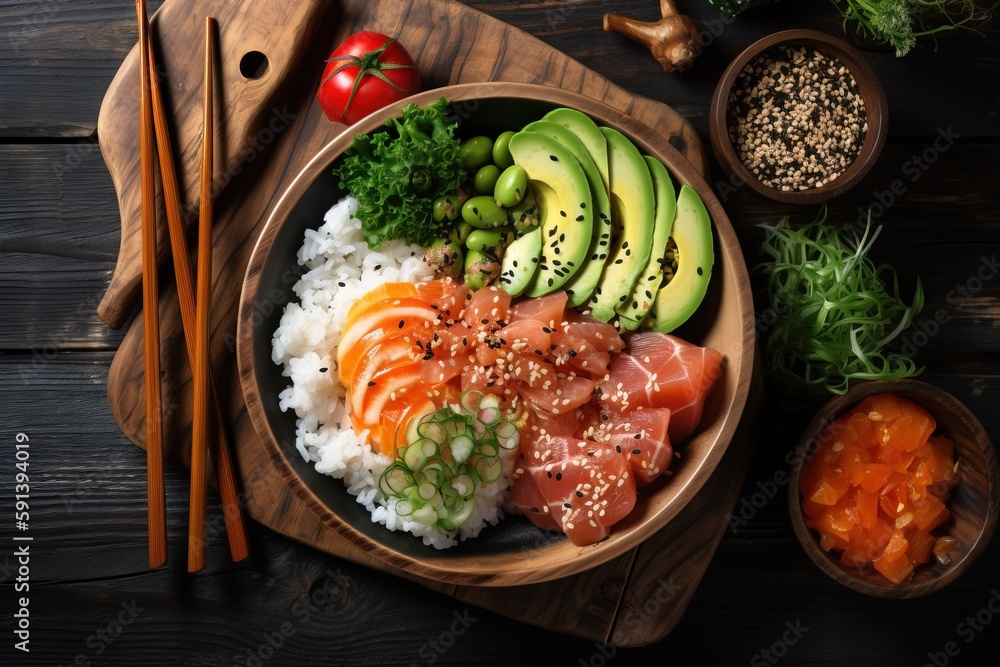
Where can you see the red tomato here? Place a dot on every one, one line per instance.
(365, 73)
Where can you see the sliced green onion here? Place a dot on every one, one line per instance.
(432, 431)
(394, 481)
(425, 515)
(463, 485)
(488, 469)
(471, 400)
(456, 428)
(426, 491)
(448, 455)
(489, 416)
(506, 430)
(489, 401)
(434, 473)
(459, 516)
(418, 453)
(462, 447)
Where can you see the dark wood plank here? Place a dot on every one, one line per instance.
(58, 244)
(57, 58)
(61, 49)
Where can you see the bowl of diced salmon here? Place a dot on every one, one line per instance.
(894, 491)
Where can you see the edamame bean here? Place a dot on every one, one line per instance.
(511, 186)
(475, 152)
(486, 241)
(480, 269)
(445, 257)
(482, 212)
(501, 150)
(461, 232)
(525, 216)
(446, 207)
(485, 179)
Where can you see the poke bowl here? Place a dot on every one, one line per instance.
(507, 549)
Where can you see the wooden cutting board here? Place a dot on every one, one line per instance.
(452, 44)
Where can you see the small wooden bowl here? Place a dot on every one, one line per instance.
(876, 106)
(974, 504)
(515, 551)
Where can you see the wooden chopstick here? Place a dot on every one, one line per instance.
(203, 302)
(218, 446)
(155, 493)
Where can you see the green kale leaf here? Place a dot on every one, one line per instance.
(397, 173)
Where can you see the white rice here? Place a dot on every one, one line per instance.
(341, 268)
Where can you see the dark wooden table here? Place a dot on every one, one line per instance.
(93, 599)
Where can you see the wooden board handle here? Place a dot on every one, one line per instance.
(260, 48)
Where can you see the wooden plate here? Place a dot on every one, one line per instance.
(514, 552)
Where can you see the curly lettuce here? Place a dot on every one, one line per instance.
(396, 174)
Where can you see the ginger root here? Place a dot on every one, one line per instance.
(672, 40)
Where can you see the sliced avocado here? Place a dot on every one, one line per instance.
(587, 131)
(520, 261)
(694, 256)
(633, 311)
(581, 286)
(560, 187)
(632, 207)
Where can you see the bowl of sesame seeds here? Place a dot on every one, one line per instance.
(800, 117)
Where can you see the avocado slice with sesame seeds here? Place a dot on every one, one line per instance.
(588, 133)
(634, 310)
(633, 205)
(687, 275)
(565, 204)
(580, 287)
(520, 262)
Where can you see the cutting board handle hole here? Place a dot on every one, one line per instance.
(253, 65)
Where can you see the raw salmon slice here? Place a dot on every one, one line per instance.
(663, 371)
(546, 309)
(577, 486)
(488, 309)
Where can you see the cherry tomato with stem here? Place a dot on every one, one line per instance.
(364, 74)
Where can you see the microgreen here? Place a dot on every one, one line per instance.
(836, 312)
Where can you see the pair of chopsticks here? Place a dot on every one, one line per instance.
(195, 315)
